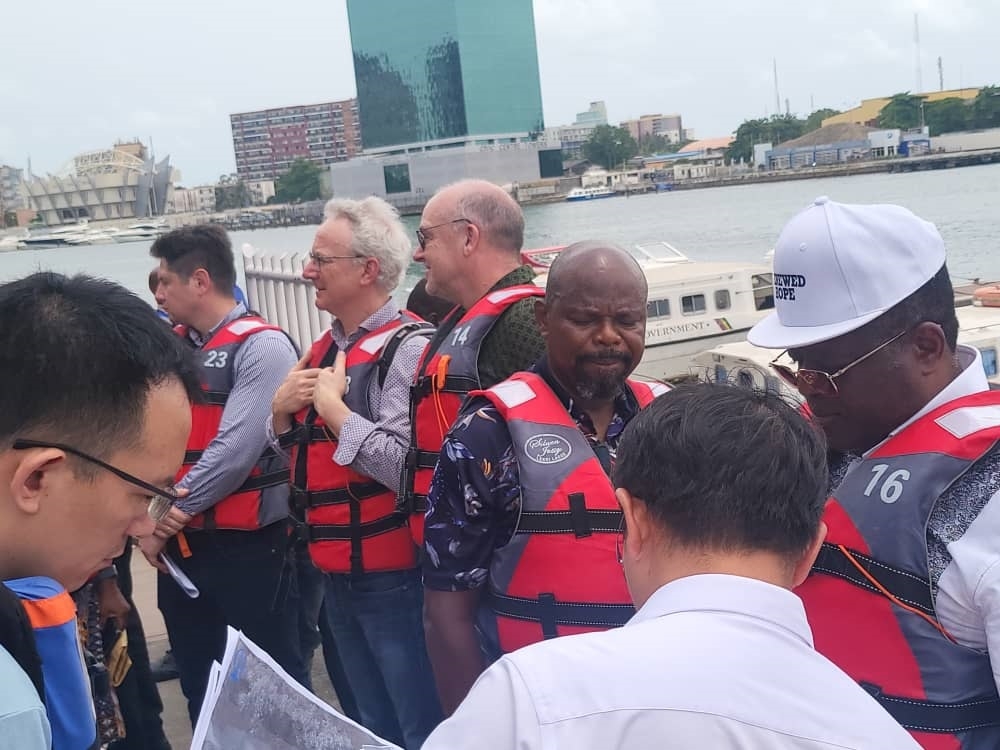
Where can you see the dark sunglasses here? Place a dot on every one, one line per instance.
(161, 499)
(423, 237)
(824, 383)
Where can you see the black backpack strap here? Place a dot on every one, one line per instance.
(402, 334)
(18, 638)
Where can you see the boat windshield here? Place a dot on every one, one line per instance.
(662, 252)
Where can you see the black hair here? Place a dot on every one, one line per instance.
(200, 246)
(154, 280)
(427, 306)
(78, 356)
(933, 302)
(724, 468)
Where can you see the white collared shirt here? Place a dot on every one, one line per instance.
(710, 661)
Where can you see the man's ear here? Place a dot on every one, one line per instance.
(33, 476)
(805, 562)
(542, 317)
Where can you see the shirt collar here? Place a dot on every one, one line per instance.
(714, 592)
(385, 314)
(521, 275)
(972, 379)
(237, 312)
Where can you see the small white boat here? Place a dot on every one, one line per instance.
(590, 193)
(58, 236)
(142, 231)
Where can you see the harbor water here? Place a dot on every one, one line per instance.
(728, 223)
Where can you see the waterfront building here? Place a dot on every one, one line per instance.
(446, 89)
(670, 127)
(122, 182)
(867, 113)
(199, 199)
(11, 191)
(572, 137)
(267, 141)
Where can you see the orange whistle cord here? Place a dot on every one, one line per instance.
(892, 597)
(182, 542)
(437, 385)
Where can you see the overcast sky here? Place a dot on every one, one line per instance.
(76, 76)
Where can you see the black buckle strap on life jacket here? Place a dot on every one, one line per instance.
(942, 718)
(549, 612)
(907, 587)
(263, 481)
(401, 334)
(581, 522)
(288, 439)
(301, 499)
(346, 532)
(409, 501)
(452, 384)
(192, 457)
(214, 398)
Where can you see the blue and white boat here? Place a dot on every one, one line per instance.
(590, 193)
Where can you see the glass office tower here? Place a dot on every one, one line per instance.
(444, 69)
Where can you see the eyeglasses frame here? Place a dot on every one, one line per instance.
(156, 512)
(792, 376)
(422, 236)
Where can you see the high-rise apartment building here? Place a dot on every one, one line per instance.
(12, 194)
(445, 70)
(266, 142)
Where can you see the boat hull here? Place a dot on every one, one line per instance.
(579, 198)
(671, 360)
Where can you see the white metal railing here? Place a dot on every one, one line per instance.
(276, 289)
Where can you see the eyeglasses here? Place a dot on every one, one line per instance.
(161, 499)
(824, 383)
(322, 260)
(620, 542)
(422, 236)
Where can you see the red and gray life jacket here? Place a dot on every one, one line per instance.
(351, 521)
(444, 378)
(942, 692)
(558, 575)
(263, 498)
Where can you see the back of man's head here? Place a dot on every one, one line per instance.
(206, 246)
(726, 470)
(78, 357)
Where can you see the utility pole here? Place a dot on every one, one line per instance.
(940, 75)
(916, 43)
(777, 97)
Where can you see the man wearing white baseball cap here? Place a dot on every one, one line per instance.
(905, 594)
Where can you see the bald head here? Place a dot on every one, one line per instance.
(489, 207)
(583, 262)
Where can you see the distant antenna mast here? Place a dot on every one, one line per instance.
(777, 97)
(916, 44)
(812, 104)
(788, 109)
(940, 75)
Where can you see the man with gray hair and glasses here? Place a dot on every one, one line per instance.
(343, 413)
(94, 417)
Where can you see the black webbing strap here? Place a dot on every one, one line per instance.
(401, 334)
(214, 398)
(945, 718)
(194, 456)
(549, 612)
(263, 481)
(565, 522)
(302, 499)
(452, 384)
(906, 587)
(345, 533)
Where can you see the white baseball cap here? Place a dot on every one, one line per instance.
(838, 266)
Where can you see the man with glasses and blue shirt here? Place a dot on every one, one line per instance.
(905, 593)
(95, 417)
(229, 533)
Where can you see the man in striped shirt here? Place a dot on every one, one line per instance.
(229, 532)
